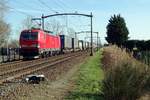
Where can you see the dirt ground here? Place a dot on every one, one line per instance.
(58, 84)
(145, 97)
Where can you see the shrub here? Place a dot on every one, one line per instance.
(125, 77)
(113, 55)
(124, 82)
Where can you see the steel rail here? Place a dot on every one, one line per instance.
(30, 69)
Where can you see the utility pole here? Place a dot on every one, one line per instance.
(97, 42)
(43, 22)
(76, 34)
(91, 35)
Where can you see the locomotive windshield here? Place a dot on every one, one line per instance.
(29, 36)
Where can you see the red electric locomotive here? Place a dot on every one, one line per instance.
(36, 42)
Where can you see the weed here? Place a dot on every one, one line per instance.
(125, 78)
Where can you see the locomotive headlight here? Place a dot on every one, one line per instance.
(23, 45)
(35, 45)
(38, 46)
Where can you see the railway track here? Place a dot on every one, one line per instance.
(28, 69)
(8, 63)
(13, 65)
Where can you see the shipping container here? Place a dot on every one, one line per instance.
(66, 43)
(87, 45)
(75, 44)
(81, 44)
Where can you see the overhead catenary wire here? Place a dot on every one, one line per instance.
(21, 12)
(26, 5)
(59, 2)
(59, 5)
(64, 4)
(24, 11)
(43, 3)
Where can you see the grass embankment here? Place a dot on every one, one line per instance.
(125, 78)
(88, 80)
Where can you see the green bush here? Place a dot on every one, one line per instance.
(125, 81)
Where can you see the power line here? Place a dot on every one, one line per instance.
(21, 13)
(59, 5)
(64, 4)
(26, 5)
(15, 10)
(47, 6)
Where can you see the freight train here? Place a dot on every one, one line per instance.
(35, 43)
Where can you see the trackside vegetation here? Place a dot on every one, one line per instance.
(88, 80)
(125, 78)
(111, 74)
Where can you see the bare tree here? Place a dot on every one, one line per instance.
(14, 43)
(3, 8)
(71, 32)
(4, 27)
(27, 23)
(54, 26)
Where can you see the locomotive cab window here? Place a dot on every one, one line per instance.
(29, 36)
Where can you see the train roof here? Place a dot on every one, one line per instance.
(37, 30)
(31, 30)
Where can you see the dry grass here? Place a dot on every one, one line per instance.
(125, 77)
(114, 55)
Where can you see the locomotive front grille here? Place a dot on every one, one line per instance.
(29, 51)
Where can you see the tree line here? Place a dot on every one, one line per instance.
(4, 26)
(141, 45)
(117, 33)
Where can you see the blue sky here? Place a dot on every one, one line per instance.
(135, 12)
